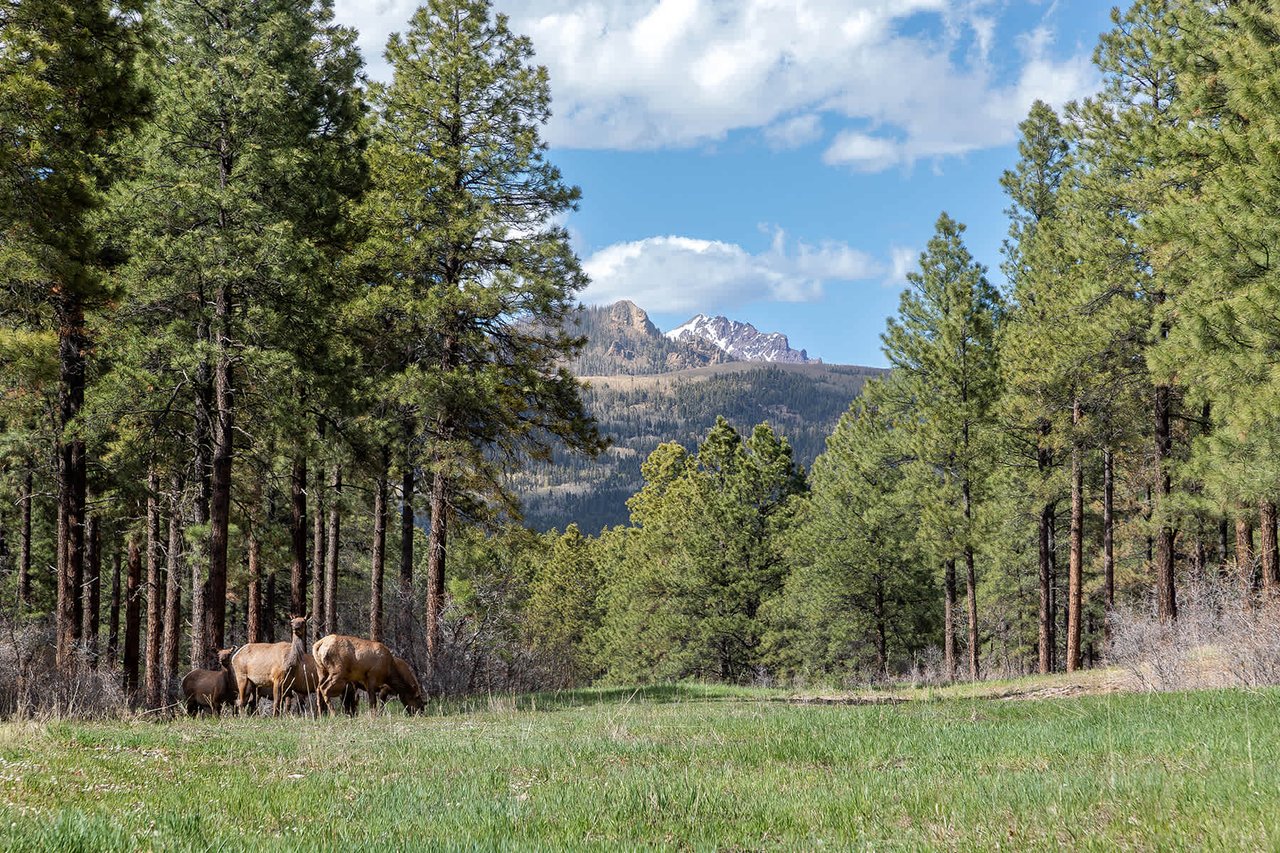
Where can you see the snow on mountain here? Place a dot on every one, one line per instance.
(741, 341)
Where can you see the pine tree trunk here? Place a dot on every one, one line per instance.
(113, 616)
(1166, 594)
(1244, 556)
(318, 552)
(331, 557)
(1075, 570)
(254, 617)
(298, 538)
(882, 635)
(1224, 552)
(24, 553)
(204, 465)
(93, 589)
(971, 581)
(435, 566)
(173, 588)
(949, 618)
(269, 621)
(1108, 542)
(73, 344)
(1053, 589)
(1046, 590)
(215, 603)
(405, 605)
(154, 680)
(132, 615)
(1268, 549)
(377, 560)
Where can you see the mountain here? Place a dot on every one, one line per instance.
(622, 340)
(801, 401)
(741, 341)
(645, 388)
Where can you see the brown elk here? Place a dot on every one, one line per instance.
(285, 668)
(347, 663)
(210, 689)
(404, 685)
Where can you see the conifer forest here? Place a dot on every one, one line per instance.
(278, 340)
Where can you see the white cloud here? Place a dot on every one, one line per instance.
(675, 274)
(645, 74)
(903, 261)
(794, 132)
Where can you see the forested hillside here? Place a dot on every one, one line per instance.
(803, 402)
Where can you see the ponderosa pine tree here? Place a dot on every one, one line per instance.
(1125, 172)
(241, 183)
(859, 597)
(67, 96)
(1032, 400)
(943, 343)
(1220, 226)
(468, 269)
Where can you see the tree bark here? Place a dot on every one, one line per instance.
(269, 622)
(254, 616)
(113, 616)
(1043, 463)
(1267, 547)
(317, 552)
(949, 617)
(1166, 593)
(173, 587)
(405, 608)
(1108, 542)
(971, 580)
(377, 559)
(1244, 556)
(204, 467)
(73, 345)
(154, 680)
(24, 553)
(298, 538)
(435, 565)
(93, 589)
(132, 615)
(331, 557)
(215, 603)
(1075, 570)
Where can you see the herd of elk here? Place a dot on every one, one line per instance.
(337, 666)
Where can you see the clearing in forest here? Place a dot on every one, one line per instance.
(689, 766)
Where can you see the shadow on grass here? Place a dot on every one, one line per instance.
(560, 700)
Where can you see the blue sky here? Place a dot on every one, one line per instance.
(783, 161)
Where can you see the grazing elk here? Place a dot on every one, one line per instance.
(285, 668)
(347, 663)
(403, 684)
(210, 689)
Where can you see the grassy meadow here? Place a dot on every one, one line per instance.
(687, 767)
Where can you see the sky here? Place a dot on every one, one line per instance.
(783, 162)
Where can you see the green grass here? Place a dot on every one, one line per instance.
(694, 767)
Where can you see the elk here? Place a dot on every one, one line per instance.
(285, 668)
(210, 689)
(347, 663)
(404, 685)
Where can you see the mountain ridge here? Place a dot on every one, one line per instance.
(741, 341)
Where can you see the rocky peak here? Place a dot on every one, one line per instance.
(630, 316)
(740, 341)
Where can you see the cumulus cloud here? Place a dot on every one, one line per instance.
(794, 132)
(676, 274)
(647, 74)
